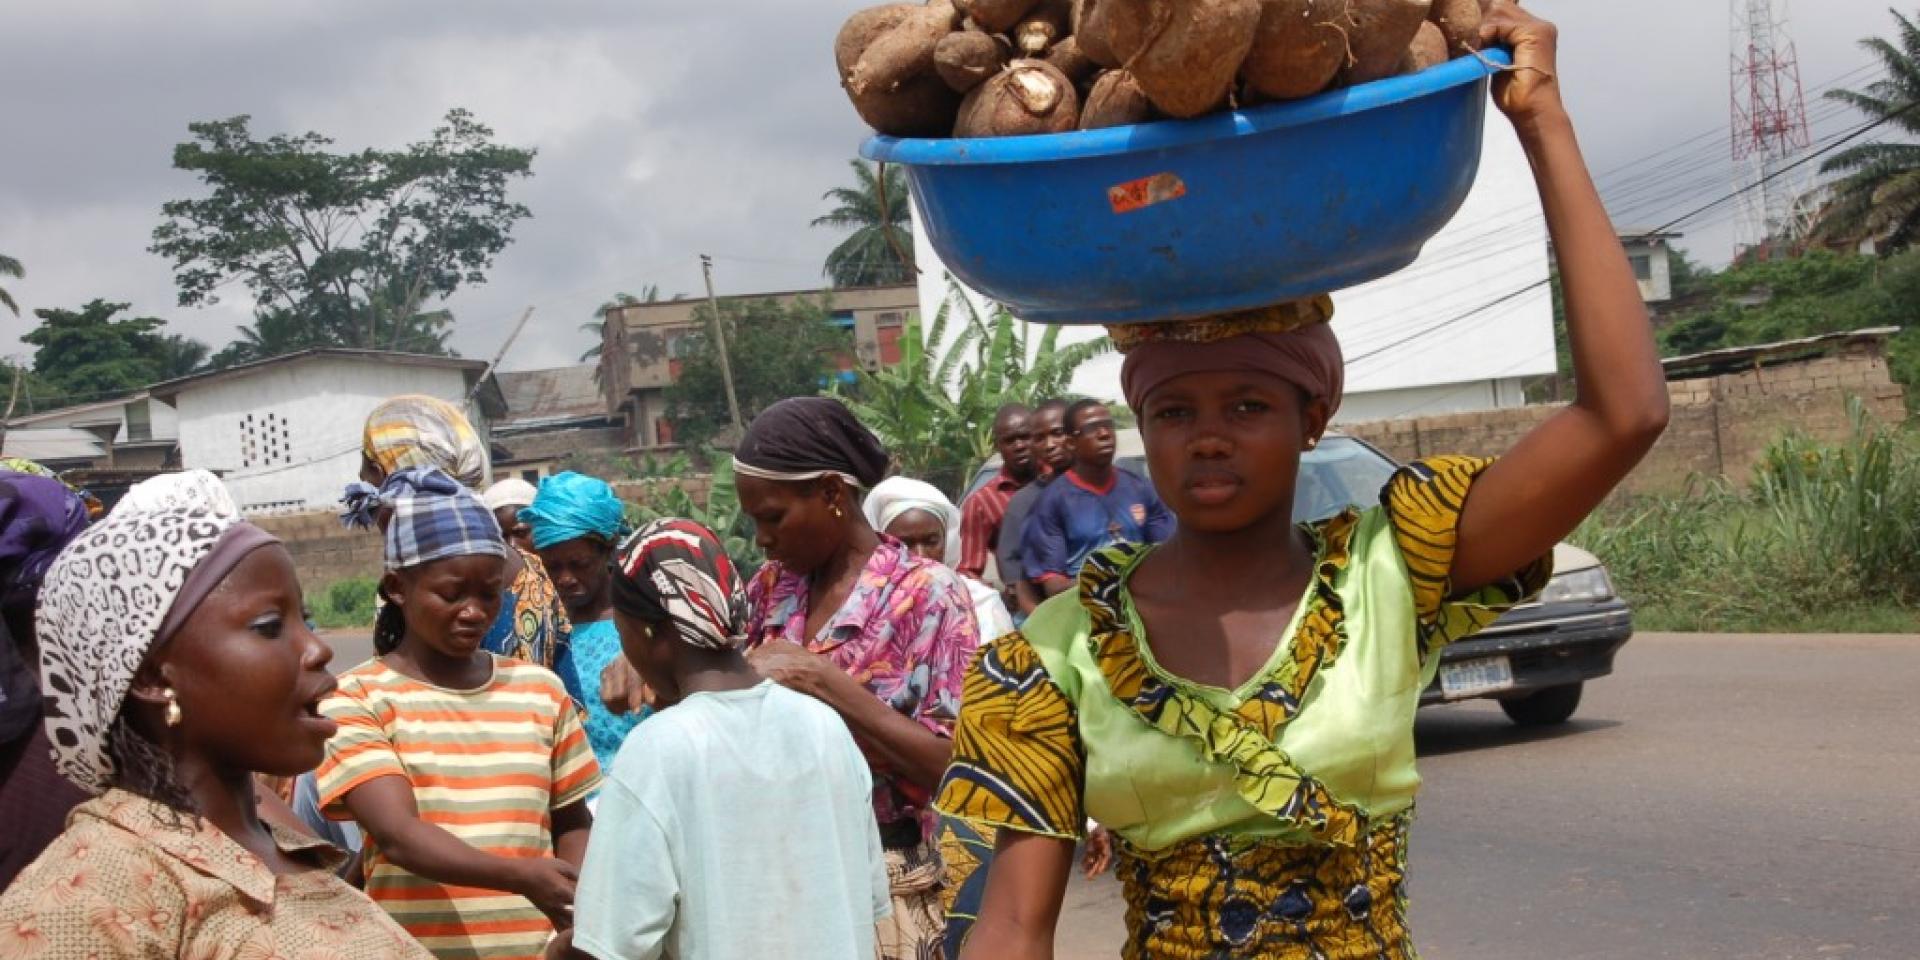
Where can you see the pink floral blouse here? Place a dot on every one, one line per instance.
(907, 633)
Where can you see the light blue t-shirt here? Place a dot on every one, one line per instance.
(736, 824)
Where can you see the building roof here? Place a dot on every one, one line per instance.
(109, 411)
(1645, 233)
(491, 399)
(53, 443)
(1760, 354)
(562, 393)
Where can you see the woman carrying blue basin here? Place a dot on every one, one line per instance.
(1237, 704)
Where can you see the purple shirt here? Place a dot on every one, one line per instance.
(907, 633)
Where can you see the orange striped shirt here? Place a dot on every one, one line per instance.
(488, 765)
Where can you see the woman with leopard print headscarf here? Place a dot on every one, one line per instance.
(177, 667)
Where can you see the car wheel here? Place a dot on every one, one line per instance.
(1545, 708)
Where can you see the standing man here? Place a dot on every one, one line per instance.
(1055, 452)
(983, 510)
(1097, 505)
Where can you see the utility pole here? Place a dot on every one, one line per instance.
(720, 341)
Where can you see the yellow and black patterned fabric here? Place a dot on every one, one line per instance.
(1297, 870)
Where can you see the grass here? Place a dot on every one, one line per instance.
(1867, 618)
(1823, 539)
(345, 604)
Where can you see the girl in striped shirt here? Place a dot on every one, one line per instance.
(467, 772)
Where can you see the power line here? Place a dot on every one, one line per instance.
(1858, 132)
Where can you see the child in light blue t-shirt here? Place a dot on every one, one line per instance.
(738, 821)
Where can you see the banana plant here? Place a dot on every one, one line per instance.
(934, 410)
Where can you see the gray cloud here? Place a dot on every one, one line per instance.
(664, 130)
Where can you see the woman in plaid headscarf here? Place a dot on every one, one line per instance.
(468, 772)
(422, 431)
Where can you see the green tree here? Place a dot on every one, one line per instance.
(359, 241)
(176, 356)
(92, 352)
(9, 267)
(1879, 197)
(935, 411)
(880, 249)
(777, 351)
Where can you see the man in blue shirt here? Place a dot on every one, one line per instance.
(1095, 505)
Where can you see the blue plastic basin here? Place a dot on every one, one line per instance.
(1186, 217)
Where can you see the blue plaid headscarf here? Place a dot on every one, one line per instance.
(433, 518)
(570, 506)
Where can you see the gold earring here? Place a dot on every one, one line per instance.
(173, 707)
(1312, 442)
(836, 512)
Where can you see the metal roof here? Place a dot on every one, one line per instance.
(561, 393)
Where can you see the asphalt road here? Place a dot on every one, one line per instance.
(1717, 797)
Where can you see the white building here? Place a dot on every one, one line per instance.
(1647, 252)
(1461, 329)
(285, 433)
(128, 433)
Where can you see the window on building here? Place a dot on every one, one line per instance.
(265, 440)
(139, 422)
(892, 318)
(1642, 266)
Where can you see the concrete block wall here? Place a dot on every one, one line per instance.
(1720, 426)
(324, 552)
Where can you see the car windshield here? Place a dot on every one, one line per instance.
(1342, 472)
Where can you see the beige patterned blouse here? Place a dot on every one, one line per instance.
(130, 878)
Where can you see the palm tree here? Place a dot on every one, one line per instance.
(9, 267)
(1879, 198)
(176, 356)
(598, 325)
(275, 333)
(880, 251)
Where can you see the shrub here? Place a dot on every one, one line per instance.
(346, 604)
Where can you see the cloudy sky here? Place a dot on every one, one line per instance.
(664, 131)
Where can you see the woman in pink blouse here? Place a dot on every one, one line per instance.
(851, 617)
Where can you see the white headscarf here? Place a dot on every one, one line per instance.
(511, 492)
(895, 496)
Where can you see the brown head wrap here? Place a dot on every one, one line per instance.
(1291, 341)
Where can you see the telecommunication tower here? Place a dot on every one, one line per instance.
(1769, 123)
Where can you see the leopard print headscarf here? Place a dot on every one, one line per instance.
(103, 603)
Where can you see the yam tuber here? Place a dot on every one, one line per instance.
(1115, 101)
(1382, 32)
(1428, 49)
(965, 60)
(996, 16)
(1299, 46)
(1090, 32)
(892, 87)
(1030, 96)
(1460, 21)
(860, 30)
(1067, 56)
(1184, 53)
(902, 52)
(1045, 25)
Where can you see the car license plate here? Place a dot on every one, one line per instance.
(1473, 678)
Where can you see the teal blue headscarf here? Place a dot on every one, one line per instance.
(570, 506)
